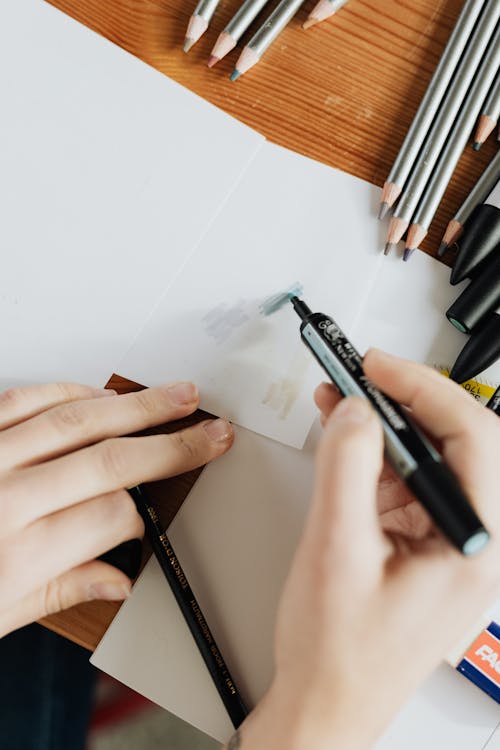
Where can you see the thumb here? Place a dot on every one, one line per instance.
(92, 580)
(348, 467)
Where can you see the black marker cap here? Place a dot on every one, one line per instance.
(480, 237)
(480, 351)
(481, 297)
(441, 490)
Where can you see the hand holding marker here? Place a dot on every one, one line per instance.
(411, 454)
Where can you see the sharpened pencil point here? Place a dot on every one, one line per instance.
(311, 21)
(382, 212)
(212, 60)
(234, 75)
(477, 146)
(408, 253)
(188, 43)
(388, 247)
(443, 247)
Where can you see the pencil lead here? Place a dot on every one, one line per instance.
(212, 60)
(443, 247)
(408, 253)
(382, 212)
(389, 246)
(188, 43)
(311, 21)
(234, 75)
(477, 146)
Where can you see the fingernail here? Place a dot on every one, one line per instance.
(183, 393)
(109, 591)
(218, 430)
(98, 392)
(353, 410)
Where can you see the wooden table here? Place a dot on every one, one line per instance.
(343, 93)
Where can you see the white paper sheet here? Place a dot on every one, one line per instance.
(291, 219)
(107, 181)
(236, 534)
(405, 314)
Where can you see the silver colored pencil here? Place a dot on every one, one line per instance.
(234, 30)
(265, 36)
(479, 192)
(490, 112)
(455, 145)
(322, 10)
(429, 104)
(198, 23)
(454, 99)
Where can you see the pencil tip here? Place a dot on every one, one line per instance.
(388, 247)
(188, 43)
(382, 212)
(407, 254)
(443, 247)
(212, 60)
(311, 21)
(476, 146)
(234, 75)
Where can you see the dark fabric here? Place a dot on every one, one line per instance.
(46, 691)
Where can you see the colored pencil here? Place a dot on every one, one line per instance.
(429, 105)
(456, 95)
(265, 36)
(479, 192)
(490, 113)
(233, 31)
(191, 611)
(322, 10)
(455, 145)
(198, 23)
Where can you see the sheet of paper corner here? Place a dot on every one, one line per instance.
(237, 532)
(101, 162)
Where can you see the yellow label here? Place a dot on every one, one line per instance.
(476, 389)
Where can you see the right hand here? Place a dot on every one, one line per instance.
(366, 614)
(64, 471)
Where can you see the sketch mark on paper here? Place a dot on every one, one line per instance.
(220, 322)
(284, 392)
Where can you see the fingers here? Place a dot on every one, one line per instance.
(326, 397)
(78, 423)
(439, 404)
(468, 431)
(106, 467)
(349, 463)
(93, 580)
(18, 404)
(73, 536)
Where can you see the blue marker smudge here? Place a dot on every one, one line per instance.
(276, 302)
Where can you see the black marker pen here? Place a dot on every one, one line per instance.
(411, 454)
(494, 402)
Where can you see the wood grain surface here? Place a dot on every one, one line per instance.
(343, 93)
